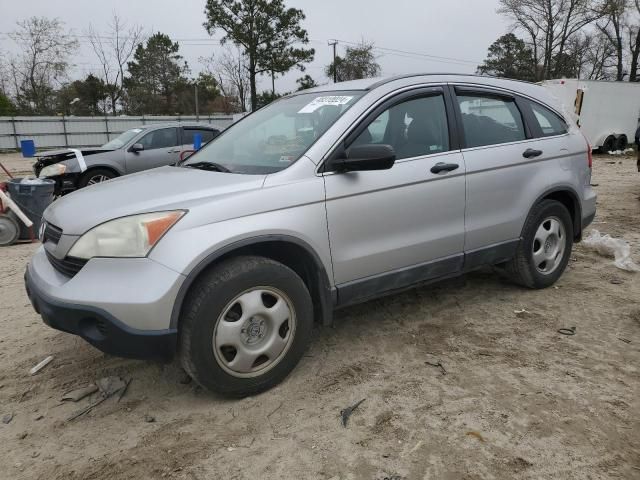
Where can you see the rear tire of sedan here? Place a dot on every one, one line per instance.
(244, 326)
(545, 248)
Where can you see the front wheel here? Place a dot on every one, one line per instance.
(93, 176)
(545, 248)
(245, 325)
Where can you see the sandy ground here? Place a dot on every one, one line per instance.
(518, 400)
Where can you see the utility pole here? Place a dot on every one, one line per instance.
(334, 43)
(195, 88)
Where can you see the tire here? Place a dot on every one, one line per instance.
(609, 144)
(220, 340)
(621, 143)
(95, 175)
(526, 268)
(9, 230)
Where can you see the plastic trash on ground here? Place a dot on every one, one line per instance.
(608, 246)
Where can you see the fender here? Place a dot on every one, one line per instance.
(577, 217)
(328, 294)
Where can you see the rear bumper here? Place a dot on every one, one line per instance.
(100, 328)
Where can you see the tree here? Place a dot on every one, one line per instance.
(7, 108)
(83, 97)
(634, 44)
(270, 35)
(614, 16)
(155, 73)
(266, 98)
(549, 25)
(306, 82)
(509, 57)
(114, 52)
(358, 62)
(208, 92)
(232, 73)
(41, 64)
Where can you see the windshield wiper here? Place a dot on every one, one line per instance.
(212, 166)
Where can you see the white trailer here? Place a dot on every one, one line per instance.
(607, 112)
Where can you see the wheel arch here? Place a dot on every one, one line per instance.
(111, 168)
(288, 250)
(570, 199)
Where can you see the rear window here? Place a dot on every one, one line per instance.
(490, 120)
(550, 123)
(206, 135)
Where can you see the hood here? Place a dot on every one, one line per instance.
(163, 188)
(66, 154)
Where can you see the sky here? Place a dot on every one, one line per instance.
(411, 35)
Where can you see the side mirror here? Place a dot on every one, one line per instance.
(137, 147)
(364, 158)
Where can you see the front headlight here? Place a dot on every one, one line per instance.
(52, 170)
(132, 236)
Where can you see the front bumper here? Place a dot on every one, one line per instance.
(120, 306)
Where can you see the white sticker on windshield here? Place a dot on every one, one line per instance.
(318, 102)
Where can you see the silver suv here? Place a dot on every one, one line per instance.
(325, 198)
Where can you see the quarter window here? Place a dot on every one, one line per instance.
(489, 120)
(413, 128)
(205, 134)
(550, 123)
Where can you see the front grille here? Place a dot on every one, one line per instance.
(68, 266)
(51, 234)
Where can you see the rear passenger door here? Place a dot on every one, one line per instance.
(502, 158)
(392, 228)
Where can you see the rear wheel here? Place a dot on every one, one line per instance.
(96, 175)
(546, 245)
(245, 325)
(622, 143)
(609, 144)
(9, 230)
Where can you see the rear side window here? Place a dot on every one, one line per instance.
(489, 120)
(161, 138)
(550, 123)
(413, 128)
(206, 135)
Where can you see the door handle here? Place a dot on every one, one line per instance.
(444, 167)
(531, 153)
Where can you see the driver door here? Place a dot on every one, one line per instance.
(160, 149)
(389, 229)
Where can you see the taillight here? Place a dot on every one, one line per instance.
(589, 152)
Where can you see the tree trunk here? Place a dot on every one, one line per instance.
(252, 81)
(634, 75)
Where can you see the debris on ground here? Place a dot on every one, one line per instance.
(522, 313)
(616, 281)
(108, 386)
(41, 365)
(437, 364)
(7, 418)
(149, 418)
(475, 434)
(346, 413)
(567, 331)
(79, 393)
(608, 246)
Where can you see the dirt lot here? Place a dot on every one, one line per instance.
(518, 399)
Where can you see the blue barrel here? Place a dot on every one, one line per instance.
(197, 141)
(28, 148)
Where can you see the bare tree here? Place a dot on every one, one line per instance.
(42, 63)
(549, 24)
(612, 27)
(114, 51)
(598, 55)
(231, 70)
(634, 44)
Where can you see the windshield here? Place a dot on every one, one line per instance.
(122, 139)
(275, 136)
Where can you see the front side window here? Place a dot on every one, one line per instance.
(274, 137)
(489, 120)
(413, 128)
(550, 123)
(161, 138)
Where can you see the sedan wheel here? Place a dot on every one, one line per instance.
(548, 245)
(98, 179)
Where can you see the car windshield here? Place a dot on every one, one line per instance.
(122, 139)
(275, 136)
